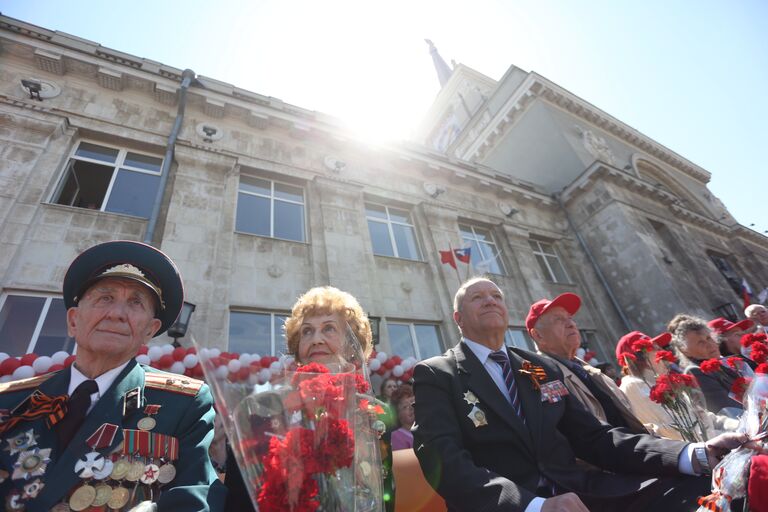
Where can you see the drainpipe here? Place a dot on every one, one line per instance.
(187, 76)
(595, 266)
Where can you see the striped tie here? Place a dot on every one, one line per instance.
(509, 379)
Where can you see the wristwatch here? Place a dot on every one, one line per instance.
(700, 452)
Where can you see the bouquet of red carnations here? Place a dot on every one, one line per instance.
(673, 391)
(306, 437)
(735, 476)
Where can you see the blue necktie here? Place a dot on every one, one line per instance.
(509, 379)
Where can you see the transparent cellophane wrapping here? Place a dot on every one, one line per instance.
(731, 475)
(299, 427)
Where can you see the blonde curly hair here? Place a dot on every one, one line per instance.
(327, 300)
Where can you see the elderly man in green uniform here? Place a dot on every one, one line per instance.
(107, 432)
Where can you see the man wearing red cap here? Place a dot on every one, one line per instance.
(728, 334)
(497, 430)
(551, 325)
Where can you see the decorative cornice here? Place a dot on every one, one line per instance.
(487, 132)
(600, 172)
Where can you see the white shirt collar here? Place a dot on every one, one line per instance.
(103, 381)
(481, 351)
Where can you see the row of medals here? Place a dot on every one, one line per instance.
(132, 469)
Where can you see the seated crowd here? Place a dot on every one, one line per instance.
(492, 427)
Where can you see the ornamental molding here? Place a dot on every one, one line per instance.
(483, 136)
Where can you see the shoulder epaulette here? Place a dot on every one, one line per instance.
(173, 383)
(20, 385)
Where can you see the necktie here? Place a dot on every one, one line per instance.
(509, 379)
(77, 408)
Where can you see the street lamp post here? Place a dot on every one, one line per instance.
(180, 326)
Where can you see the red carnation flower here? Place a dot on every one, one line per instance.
(738, 388)
(661, 392)
(749, 339)
(759, 352)
(762, 368)
(710, 366)
(734, 362)
(643, 344)
(665, 355)
(312, 368)
(683, 379)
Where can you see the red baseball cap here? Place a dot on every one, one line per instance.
(722, 325)
(568, 301)
(624, 346)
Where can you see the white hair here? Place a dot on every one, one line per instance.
(752, 309)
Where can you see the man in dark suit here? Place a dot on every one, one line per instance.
(551, 325)
(496, 429)
(106, 431)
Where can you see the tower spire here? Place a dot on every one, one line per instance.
(443, 71)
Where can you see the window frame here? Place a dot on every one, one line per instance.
(272, 316)
(530, 343)
(117, 166)
(490, 241)
(272, 200)
(540, 252)
(388, 222)
(43, 316)
(414, 339)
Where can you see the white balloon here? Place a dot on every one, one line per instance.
(190, 360)
(4, 356)
(264, 375)
(23, 372)
(406, 364)
(245, 359)
(178, 367)
(155, 352)
(275, 365)
(222, 372)
(143, 359)
(214, 352)
(594, 361)
(254, 357)
(580, 353)
(234, 365)
(5, 378)
(204, 353)
(397, 370)
(382, 357)
(42, 364)
(59, 357)
(167, 349)
(374, 364)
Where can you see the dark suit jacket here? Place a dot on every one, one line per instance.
(186, 417)
(498, 466)
(715, 386)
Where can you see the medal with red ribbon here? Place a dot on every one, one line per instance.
(150, 444)
(94, 464)
(148, 422)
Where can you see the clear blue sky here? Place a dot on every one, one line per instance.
(692, 75)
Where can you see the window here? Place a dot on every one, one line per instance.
(269, 208)
(110, 180)
(518, 338)
(31, 323)
(418, 340)
(589, 342)
(485, 257)
(257, 333)
(548, 261)
(392, 232)
(726, 269)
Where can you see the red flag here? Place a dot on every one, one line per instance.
(447, 257)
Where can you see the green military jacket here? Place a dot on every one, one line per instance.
(38, 475)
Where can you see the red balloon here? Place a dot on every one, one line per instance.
(55, 368)
(8, 366)
(28, 359)
(191, 350)
(165, 362)
(68, 361)
(396, 359)
(266, 361)
(197, 371)
(179, 353)
(389, 364)
(243, 373)
(143, 349)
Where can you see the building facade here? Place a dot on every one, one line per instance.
(262, 200)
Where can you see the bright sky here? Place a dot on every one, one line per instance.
(692, 75)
